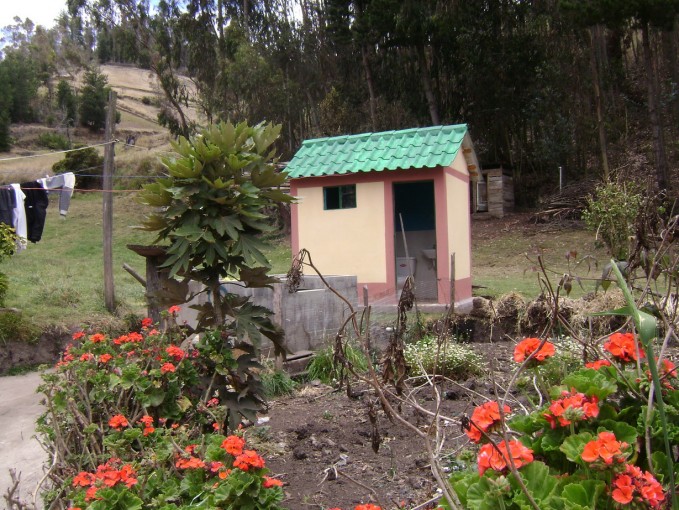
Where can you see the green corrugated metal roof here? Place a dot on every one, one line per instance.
(389, 150)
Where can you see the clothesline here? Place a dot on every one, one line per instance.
(94, 190)
(58, 152)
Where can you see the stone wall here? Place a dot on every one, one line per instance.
(310, 317)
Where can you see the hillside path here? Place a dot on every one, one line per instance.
(19, 408)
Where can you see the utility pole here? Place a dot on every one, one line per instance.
(109, 153)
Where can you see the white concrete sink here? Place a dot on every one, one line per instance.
(429, 254)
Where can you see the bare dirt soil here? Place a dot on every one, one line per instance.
(319, 442)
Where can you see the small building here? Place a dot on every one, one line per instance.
(383, 206)
(493, 193)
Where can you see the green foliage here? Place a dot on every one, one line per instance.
(53, 141)
(277, 382)
(93, 100)
(80, 160)
(324, 368)
(14, 327)
(588, 437)
(210, 210)
(611, 212)
(5, 136)
(448, 358)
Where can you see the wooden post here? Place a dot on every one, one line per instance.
(107, 186)
(452, 283)
(366, 301)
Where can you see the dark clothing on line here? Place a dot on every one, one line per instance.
(8, 202)
(36, 209)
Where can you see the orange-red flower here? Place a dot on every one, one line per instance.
(624, 347)
(176, 352)
(234, 445)
(529, 346)
(146, 322)
(484, 418)
(637, 485)
(605, 448)
(83, 479)
(86, 356)
(78, 335)
(118, 421)
(97, 338)
(497, 459)
(105, 358)
(572, 406)
(174, 309)
(271, 482)
(367, 506)
(248, 459)
(596, 365)
(167, 367)
(189, 463)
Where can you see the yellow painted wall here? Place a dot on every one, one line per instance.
(458, 219)
(345, 241)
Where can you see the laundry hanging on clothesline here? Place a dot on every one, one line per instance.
(24, 206)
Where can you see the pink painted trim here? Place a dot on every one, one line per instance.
(457, 174)
(441, 208)
(390, 250)
(463, 289)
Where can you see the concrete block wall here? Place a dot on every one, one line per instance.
(310, 317)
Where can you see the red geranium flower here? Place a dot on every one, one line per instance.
(367, 506)
(605, 448)
(638, 485)
(78, 335)
(176, 352)
(118, 421)
(234, 445)
(174, 309)
(146, 322)
(248, 459)
(97, 337)
(490, 458)
(105, 358)
(167, 367)
(528, 346)
(271, 482)
(485, 417)
(596, 365)
(190, 463)
(572, 407)
(624, 347)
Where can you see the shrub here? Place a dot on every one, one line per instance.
(87, 161)
(53, 141)
(611, 212)
(13, 327)
(446, 358)
(139, 422)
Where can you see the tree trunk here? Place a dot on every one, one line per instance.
(426, 85)
(371, 87)
(596, 82)
(671, 50)
(654, 114)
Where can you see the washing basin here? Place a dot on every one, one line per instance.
(429, 254)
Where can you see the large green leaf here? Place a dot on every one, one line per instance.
(591, 382)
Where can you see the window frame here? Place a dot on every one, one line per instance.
(343, 192)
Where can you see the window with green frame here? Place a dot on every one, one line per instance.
(339, 197)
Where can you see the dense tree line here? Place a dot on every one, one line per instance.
(578, 84)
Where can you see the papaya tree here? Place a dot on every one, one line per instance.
(210, 215)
